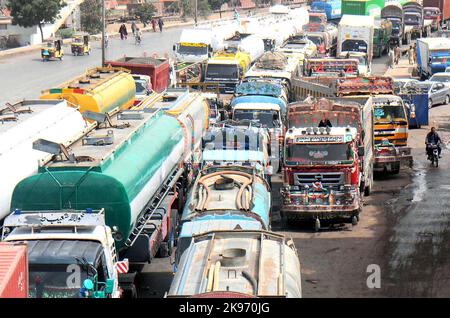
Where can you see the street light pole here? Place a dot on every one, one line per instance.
(103, 32)
(195, 12)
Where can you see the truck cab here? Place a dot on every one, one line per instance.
(143, 87)
(226, 69)
(364, 65)
(195, 45)
(317, 17)
(66, 246)
(299, 45)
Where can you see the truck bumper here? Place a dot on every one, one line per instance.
(302, 213)
(405, 155)
(386, 164)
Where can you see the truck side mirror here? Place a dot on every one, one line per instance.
(361, 151)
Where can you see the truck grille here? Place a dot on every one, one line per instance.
(327, 178)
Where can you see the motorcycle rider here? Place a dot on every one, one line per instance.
(433, 139)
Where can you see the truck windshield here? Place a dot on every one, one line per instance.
(141, 86)
(317, 40)
(192, 49)
(304, 154)
(268, 118)
(315, 19)
(225, 71)
(411, 19)
(440, 58)
(389, 113)
(354, 46)
(54, 281)
(396, 25)
(295, 46)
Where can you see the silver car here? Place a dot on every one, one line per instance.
(438, 93)
(441, 77)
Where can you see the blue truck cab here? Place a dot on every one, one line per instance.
(332, 8)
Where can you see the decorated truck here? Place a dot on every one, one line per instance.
(394, 13)
(327, 66)
(111, 196)
(326, 169)
(223, 198)
(324, 37)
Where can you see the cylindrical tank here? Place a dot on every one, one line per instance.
(252, 263)
(122, 183)
(48, 119)
(100, 90)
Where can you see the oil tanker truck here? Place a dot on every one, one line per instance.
(101, 90)
(21, 124)
(107, 204)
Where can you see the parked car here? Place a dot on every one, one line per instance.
(438, 93)
(441, 77)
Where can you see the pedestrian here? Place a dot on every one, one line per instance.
(391, 58)
(411, 55)
(398, 53)
(154, 24)
(133, 27)
(160, 24)
(123, 31)
(414, 54)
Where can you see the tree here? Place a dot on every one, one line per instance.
(91, 16)
(145, 12)
(203, 8)
(28, 13)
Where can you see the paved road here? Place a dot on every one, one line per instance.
(25, 76)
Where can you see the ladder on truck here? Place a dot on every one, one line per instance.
(150, 211)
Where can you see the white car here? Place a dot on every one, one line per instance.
(447, 69)
(441, 77)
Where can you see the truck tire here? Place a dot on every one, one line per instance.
(130, 291)
(367, 190)
(163, 250)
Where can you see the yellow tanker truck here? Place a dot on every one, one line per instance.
(100, 90)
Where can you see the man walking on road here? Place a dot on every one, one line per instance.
(133, 28)
(411, 55)
(154, 25)
(391, 58)
(398, 53)
(123, 31)
(160, 23)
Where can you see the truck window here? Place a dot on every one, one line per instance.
(193, 49)
(317, 40)
(315, 19)
(318, 153)
(389, 113)
(354, 46)
(225, 71)
(267, 118)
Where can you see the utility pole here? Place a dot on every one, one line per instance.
(103, 32)
(195, 12)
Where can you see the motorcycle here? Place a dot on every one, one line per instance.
(433, 154)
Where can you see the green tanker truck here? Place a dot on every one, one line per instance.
(363, 7)
(110, 196)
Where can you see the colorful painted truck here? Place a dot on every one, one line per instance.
(21, 124)
(363, 7)
(13, 270)
(157, 68)
(414, 22)
(320, 67)
(101, 90)
(223, 198)
(114, 182)
(324, 37)
(238, 264)
(263, 103)
(443, 6)
(433, 56)
(432, 15)
(332, 8)
(394, 13)
(382, 35)
(326, 169)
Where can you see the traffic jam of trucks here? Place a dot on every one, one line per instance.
(154, 157)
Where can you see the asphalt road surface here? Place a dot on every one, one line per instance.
(403, 232)
(25, 76)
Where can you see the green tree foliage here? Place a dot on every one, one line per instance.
(91, 16)
(188, 8)
(28, 13)
(145, 12)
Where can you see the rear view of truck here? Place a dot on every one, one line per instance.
(394, 13)
(13, 270)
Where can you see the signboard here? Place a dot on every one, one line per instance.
(320, 138)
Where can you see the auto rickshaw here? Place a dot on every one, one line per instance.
(52, 50)
(80, 45)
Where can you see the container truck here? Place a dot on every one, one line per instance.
(22, 123)
(382, 34)
(363, 7)
(238, 264)
(355, 34)
(443, 6)
(101, 90)
(414, 22)
(224, 195)
(13, 270)
(326, 170)
(432, 15)
(157, 68)
(433, 56)
(394, 13)
(114, 182)
(332, 8)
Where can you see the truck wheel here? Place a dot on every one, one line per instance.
(163, 250)
(367, 190)
(130, 291)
